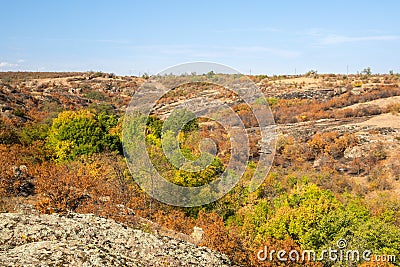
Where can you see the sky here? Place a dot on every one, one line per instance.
(253, 37)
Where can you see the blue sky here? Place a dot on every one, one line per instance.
(133, 37)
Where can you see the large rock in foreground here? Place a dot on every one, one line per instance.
(88, 240)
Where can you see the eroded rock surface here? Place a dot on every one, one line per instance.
(88, 240)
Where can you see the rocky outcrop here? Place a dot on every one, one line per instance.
(312, 93)
(88, 240)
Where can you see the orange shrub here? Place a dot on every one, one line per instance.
(175, 220)
(218, 237)
(61, 187)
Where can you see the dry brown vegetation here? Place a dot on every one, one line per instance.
(351, 172)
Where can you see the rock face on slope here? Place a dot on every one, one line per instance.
(88, 240)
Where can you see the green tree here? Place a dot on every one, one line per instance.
(299, 213)
(196, 175)
(367, 71)
(81, 132)
(154, 126)
(181, 120)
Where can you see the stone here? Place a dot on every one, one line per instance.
(87, 240)
(353, 152)
(197, 235)
(317, 163)
(357, 91)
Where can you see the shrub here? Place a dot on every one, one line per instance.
(19, 112)
(82, 132)
(217, 236)
(393, 108)
(331, 143)
(97, 184)
(61, 188)
(95, 95)
(8, 132)
(35, 132)
(175, 220)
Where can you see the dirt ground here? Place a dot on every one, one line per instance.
(383, 120)
(382, 102)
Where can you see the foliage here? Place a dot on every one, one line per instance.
(181, 119)
(271, 101)
(367, 71)
(154, 125)
(98, 184)
(34, 132)
(8, 132)
(331, 143)
(312, 197)
(196, 176)
(18, 112)
(295, 110)
(82, 132)
(62, 189)
(95, 95)
(217, 235)
(103, 108)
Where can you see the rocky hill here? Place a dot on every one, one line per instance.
(338, 136)
(87, 240)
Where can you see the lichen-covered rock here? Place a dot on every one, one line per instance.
(88, 240)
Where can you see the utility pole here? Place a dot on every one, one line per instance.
(347, 68)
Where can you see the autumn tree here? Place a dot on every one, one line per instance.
(81, 132)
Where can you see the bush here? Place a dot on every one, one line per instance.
(95, 95)
(331, 143)
(19, 112)
(82, 132)
(8, 132)
(393, 108)
(61, 189)
(35, 132)
(98, 184)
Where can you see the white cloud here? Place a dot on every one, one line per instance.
(7, 65)
(339, 39)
